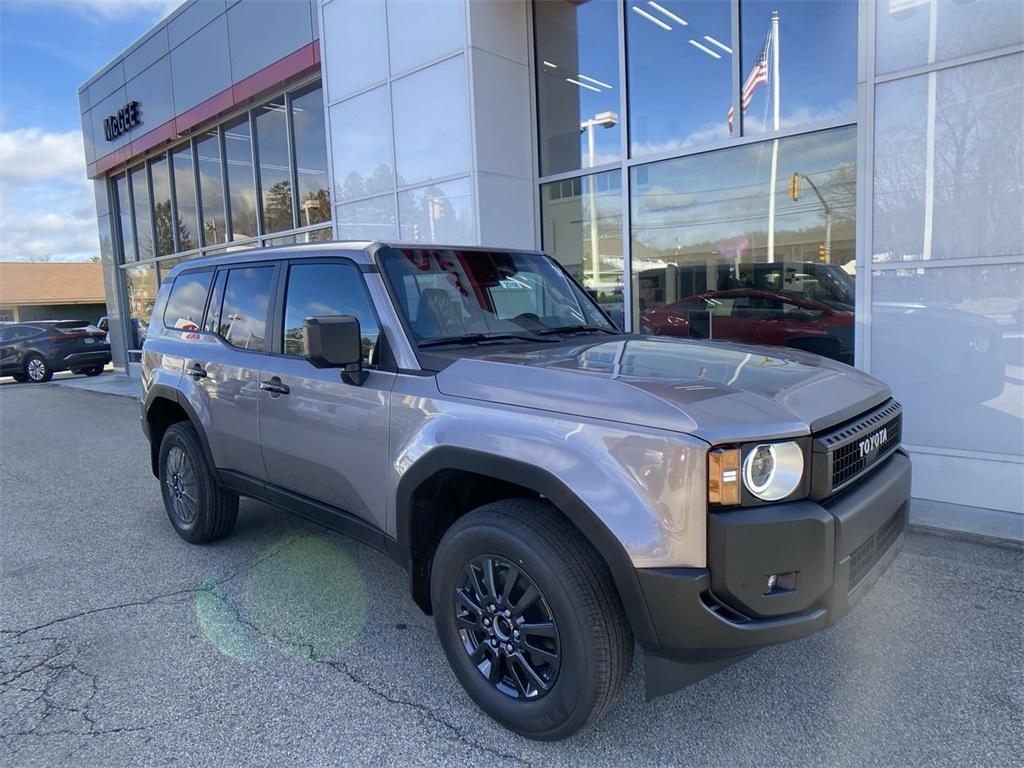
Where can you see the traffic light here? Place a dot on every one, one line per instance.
(794, 186)
(823, 251)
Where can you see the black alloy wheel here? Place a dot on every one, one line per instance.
(199, 509)
(507, 627)
(529, 618)
(180, 477)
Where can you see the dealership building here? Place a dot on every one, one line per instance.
(842, 176)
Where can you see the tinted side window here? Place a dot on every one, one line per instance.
(243, 317)
(316, 290)
(216, 299)
(187, 300)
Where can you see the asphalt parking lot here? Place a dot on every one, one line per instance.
(288, 645)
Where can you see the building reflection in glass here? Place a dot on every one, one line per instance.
(708, 263)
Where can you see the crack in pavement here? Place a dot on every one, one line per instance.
(307, 652)
(42, 683)
(201, 587)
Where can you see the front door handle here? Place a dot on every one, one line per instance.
(275, 386)
(197, 372)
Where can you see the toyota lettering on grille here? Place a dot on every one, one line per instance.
(871, 443)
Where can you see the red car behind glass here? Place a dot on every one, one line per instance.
(776, 318)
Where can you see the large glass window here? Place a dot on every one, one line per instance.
(241, 182)
(310, 140)
(275, 166)
(578, 83)
(211, 189)
(122, 207)
(187, 216)
(143, 212)
(582, 228)
(140, 283)
(327, 289)
(816, 77)
(725, 248)
(243, 317)
(162, 214)
(680, 74)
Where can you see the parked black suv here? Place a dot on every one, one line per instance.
(35, 351)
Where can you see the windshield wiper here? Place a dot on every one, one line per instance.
(578, 329)
(476, 338)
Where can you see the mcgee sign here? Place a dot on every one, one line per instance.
(127, 117)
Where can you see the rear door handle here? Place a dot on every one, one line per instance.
(197, 372)
(275, 386)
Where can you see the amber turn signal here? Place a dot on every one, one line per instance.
(724, 476)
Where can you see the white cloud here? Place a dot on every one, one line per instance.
(47, 208)
(106, 8)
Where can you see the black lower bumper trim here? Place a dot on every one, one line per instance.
(831, 554)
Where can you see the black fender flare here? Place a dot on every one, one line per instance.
(551, 487)
(167, 392)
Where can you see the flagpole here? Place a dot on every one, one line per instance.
(775, 142)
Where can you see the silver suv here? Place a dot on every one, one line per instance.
(555, 488)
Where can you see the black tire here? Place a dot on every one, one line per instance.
(96, 370)
(37, 370)
(204, 512)
(19, 377)
(591, 637)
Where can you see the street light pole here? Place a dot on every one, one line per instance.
(604, 120)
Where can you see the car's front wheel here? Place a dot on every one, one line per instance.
(199, 509)
(529, 619)
(37, 369)
(96, 370)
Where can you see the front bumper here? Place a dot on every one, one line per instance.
(828, 556)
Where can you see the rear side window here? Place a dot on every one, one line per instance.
(317, 290)
(243, 315)
(185, 305)
(212, 323)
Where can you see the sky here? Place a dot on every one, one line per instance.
(48, 48)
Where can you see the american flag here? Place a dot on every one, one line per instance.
(758, 76)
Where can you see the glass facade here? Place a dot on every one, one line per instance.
(176, 205)
(581, 221)
(578, 93)
(721, 236)
(726, 247)
(241, 194)
(275, 166)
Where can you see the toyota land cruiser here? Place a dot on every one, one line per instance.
(556, 489)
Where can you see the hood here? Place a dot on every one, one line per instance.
(720, 392)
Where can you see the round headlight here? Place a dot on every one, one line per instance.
(772, 471)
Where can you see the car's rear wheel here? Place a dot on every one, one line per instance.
(529, 619)
(198, 508)
(19, 376)
(96, 370)
(37, 369)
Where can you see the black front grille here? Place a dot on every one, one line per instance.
(869, 553)
(847, 461)
(839, 456)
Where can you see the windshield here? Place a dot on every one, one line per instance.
(453, 294)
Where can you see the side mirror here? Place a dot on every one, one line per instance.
(336, 341)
